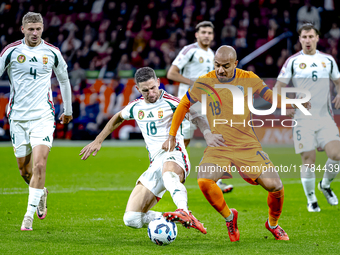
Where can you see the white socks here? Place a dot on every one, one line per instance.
(308, 183)
(230, 217)
(33, 200)
(177, 190)
(331, 172)
(140, 219)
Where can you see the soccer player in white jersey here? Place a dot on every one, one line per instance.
(193, 61)
(168, 170)
(29, 63)
(311, 70)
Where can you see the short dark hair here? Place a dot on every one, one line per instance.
(144, 74)
(204, 24)
(307, 27)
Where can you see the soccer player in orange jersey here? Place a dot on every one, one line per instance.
(241, 147)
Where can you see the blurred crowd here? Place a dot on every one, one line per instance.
(108, 37)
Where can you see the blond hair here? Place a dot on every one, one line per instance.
(32, 17)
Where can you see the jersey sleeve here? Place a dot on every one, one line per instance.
(60, 70)
(286, 72)
(60, 66)
(335, 74)
(127, 112)
(183, 57)
(4, 61)
(259, 87)
(194, 94)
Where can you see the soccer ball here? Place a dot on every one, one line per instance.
(161, 231)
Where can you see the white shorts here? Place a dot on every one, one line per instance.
(311, 134)
(29, 133)
(152, 178)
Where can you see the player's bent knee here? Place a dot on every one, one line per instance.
(133, 219)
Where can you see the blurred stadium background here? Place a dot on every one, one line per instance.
(104, 42)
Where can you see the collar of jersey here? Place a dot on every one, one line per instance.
(23, 42)
(316, 52)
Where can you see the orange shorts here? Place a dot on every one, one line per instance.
(249, 162)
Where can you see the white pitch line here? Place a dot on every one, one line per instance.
(57, 189)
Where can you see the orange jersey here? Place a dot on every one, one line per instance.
(236, 129)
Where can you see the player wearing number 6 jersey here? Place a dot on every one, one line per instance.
(29, 63)
(168, 170)
(311, 70)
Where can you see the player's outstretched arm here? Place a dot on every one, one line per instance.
(336, 100)
(95, 146)
(182, 109)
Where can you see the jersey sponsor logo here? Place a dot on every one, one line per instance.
(150, 115)
(34, 59)
(302, 65)
(45, 60)
(21, 58)
(141, 115)
(208, 61)
(160, 113)
(323, 64)
(201, 60)
(313, 65)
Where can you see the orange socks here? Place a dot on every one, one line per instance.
(214, 195)
(275, 203)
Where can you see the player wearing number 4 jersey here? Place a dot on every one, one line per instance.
(168, 170)
(311, 69)
(29, 63)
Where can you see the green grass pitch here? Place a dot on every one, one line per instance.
(87, 201)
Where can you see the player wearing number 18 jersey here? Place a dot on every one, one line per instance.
(193, 61)
(168, 170)
(311, 70)
(241, 147)
(29, 63)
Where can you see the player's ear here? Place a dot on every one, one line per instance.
(138, 89)
(236, 62)
(158, 82)
(22, 29)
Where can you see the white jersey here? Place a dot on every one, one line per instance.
(312, 72)
(29, 70)
(193, 62)
(154, 120)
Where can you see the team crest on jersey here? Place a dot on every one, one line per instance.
(241, 88)
(302, 65)
(21, 58)
(201, 60)
(323, 64)
(141, 115)
(300, 145)
(45, 60)
(160, 113)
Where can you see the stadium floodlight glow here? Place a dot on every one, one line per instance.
(238, 100)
